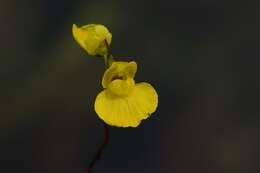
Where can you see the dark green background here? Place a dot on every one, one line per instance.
(201, 56)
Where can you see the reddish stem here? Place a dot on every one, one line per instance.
(100, 149)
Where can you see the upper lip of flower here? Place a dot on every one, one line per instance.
(119, 70)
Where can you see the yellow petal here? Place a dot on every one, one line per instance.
(94, 38)
(127, 111)
(145, 99)
(79, 35)
(119, 69)
(115, 111)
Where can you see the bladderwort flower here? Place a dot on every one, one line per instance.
(124, 103)
(94, 38)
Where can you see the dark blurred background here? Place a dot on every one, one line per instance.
(201, 56)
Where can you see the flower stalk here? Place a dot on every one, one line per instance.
(100, 150)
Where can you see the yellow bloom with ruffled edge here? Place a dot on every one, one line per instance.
(124, 103)
(94, 38)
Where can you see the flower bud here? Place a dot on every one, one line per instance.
(94, 38)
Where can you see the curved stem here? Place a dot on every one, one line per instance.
(100, 149)
(108, 59)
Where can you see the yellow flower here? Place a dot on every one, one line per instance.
(123, 102)
(94, 38)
